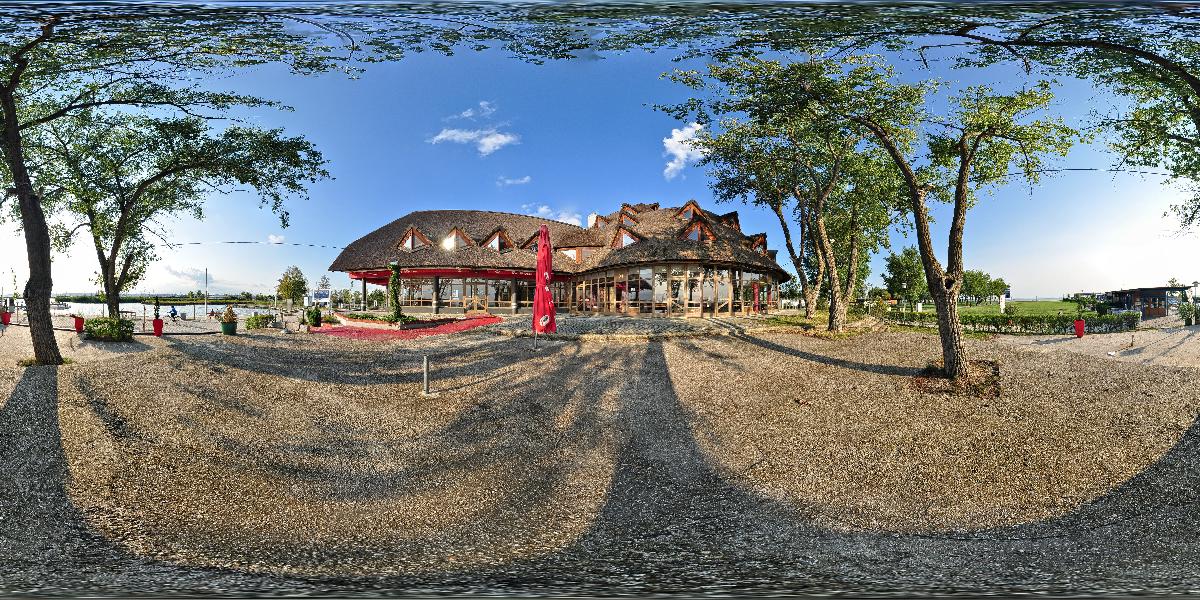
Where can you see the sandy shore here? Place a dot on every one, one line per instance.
(746, 461)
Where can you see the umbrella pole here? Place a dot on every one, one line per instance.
(535, 340)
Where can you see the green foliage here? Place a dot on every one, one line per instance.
(312, 317)
(376, 298)
(394, 293)
(292, 285)
(259, 321)
(1187, 311)
(108, 329)
(1027, 324)
(904, 275)
(156, 307)
(404, 318)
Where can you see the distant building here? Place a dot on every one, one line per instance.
(1151, 301)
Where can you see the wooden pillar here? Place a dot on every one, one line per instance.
(731, 281)
(437, 294)
(516, 305)
(364, 293)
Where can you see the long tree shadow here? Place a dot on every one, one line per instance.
(828, 360)
(675, 522)
(46, 543)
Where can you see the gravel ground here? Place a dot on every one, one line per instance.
(612, 325)
(772, 463)
(1175, 346)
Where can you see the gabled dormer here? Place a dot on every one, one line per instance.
(758, 243)
(698, 231)
(624, 237)
(601, 221)
(730, 219)
(413, 240)
(456, 239)
(627, 219)
(688, 211)
(499, 241)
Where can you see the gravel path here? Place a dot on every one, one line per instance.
(1175, 346)
(308, 464)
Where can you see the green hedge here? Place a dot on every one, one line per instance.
(107, 329)
(259, 321)
(1039, 324)
(403, 318)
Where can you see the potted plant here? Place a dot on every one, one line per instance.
(229, 321)
(78, 323)
(158, 322)
(1187, 310)
(1081, 302)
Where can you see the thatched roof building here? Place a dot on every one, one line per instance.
(477, 244)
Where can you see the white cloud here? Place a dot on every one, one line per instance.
(486, 141)
(485, 109)
(546, 212)
(503, 181)
(275, 239)
(680, 150)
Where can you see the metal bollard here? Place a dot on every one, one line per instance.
(425, 378)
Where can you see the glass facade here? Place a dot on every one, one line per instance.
(676, 290)
(668, 290)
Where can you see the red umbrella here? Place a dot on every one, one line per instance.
(543, 301)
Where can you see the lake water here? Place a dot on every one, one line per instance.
(90, 310)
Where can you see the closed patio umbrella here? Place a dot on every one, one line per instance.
(543, 301)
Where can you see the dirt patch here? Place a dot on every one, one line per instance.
(982, 380)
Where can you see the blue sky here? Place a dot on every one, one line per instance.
(479, 130)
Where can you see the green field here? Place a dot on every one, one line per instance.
(1039, 307)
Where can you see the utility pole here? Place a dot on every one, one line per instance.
(206, 291)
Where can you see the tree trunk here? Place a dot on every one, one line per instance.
(37, 240)
(837, 312)
(807, 289)
(954, 354)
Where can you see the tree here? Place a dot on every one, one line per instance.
(376, 298)
(770, 146)
(120, 176)
(323, 283)
(904, 275)
(976, 285)
(983, 136)
(292, 285)
(57, 61)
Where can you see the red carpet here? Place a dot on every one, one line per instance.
(367, 333)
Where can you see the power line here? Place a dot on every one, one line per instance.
(256, 243)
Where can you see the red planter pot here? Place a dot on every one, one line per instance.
(1080, 324)
(158, 325)
(78, 324)
(5, 317)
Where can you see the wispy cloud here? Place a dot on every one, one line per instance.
(486, 140)
(275, 239)
(485, 109)
(503, 181)
(680, 149)
(546, 212)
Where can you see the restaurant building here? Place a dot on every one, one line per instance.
(641, 260)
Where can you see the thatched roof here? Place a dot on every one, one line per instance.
(660, 233)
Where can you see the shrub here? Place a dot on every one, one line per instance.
(229, 316)
(1035, 324)
(312, 317)
(332, 319)
(259, 321)
(107, 329)
(1187, 310)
